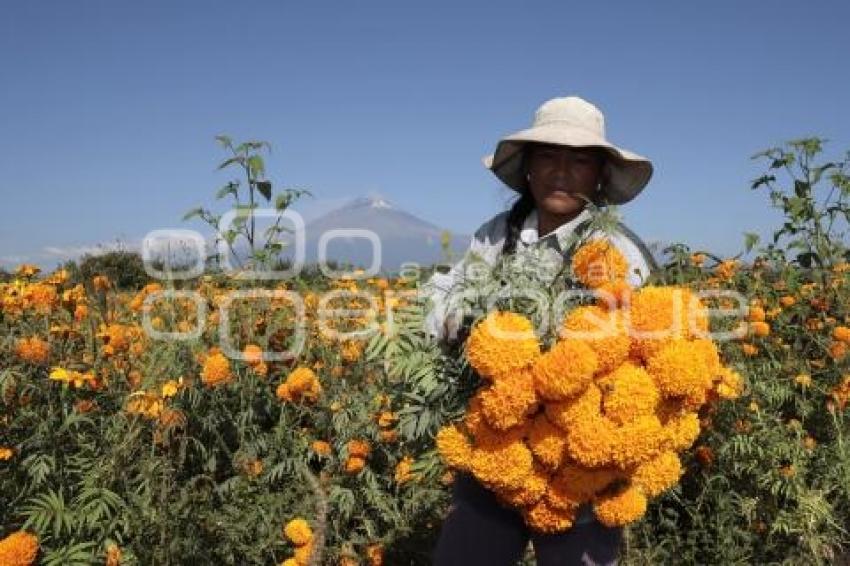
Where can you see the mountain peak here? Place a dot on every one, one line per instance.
(371, 201)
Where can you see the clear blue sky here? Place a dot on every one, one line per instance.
(108, 108)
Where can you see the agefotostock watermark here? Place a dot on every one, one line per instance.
(692, 311)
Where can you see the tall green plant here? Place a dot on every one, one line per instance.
(247, 159)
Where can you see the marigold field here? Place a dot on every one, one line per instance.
(121, 443)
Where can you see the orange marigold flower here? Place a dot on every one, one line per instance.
(756, 314)
(353, 464)
(749, 349)
(638, 441)
(841, 333)
(658, 474)
(837, 350)
(705, 455)
(545, 518)
(729, 384)
(628, 392)
(18, 549)
(502, 463)
(113, 555)
(787, 301)
(582, 484)
(598, 262)
(298, 531)
(591, 441)
(726, 269)
(531, 490)
(681, 431)
(621, 508)
(603, 331)
(547, 442)
(6, 453)
(375, 552)
(402, 470)
(508, 401)
(803, 380)
(216, 370)
(760, 328)
(321, 448)
(679, 368)
(303, 553)
(659, 315)
(565, 370)
(359, 448)
(301, 384)
(501, 344)
(33, 350)
(454, 448)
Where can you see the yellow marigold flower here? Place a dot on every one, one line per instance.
(621, 508)
(545, 518)
(508, 401)
(33, 350)
(658, 474)
(302, 554)
(351, 351)
(598, 262)
(502, 464)
(6, 453)
(803, 380)
(359, 448)
(353, 464)
(841, 333)
(402, 470)
(113, 555)
(18, 549)
(547, 442)
(253, 354)
(74, 378)
(531, 490)
(682, 431)
(603, 331)
(680, 370)
(454, 447)
(147, 405)
(170, 388)
(760, 328)
(629, 392)
(216, 370)
(730, 384)
(659, 315)
(581, 484)
(282, 392)
(565, 370)
(298, 531)
(501, 344)
(27, 270)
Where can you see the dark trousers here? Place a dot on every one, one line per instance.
(480, 531)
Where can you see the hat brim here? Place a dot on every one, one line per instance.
(627, 173)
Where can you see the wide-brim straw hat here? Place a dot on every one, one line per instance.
(572, 121)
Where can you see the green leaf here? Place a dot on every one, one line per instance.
(256, 166)
(264, 188)
(225, 141)
(750, 240)
(230, 188)
(193, 213)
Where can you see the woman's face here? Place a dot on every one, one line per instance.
(560, 176)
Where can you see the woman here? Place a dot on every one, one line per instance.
(557, 166)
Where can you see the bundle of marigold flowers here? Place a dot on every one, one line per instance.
(602, 416)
